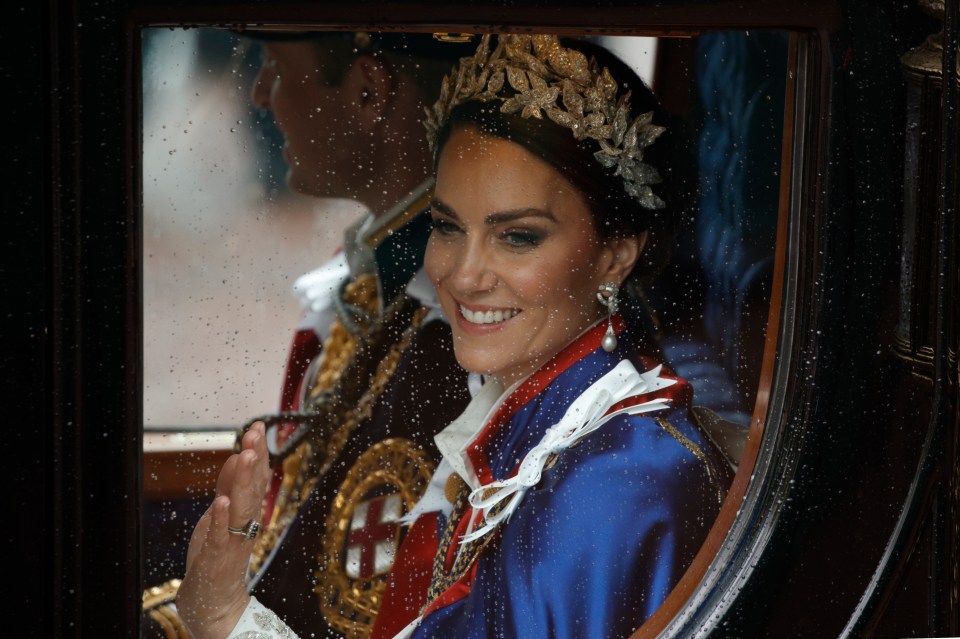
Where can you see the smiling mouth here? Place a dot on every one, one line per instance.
(488, 317)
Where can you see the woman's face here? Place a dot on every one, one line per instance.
(514, 256)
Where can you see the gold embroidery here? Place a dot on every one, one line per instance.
(339, 347)
(394, 469)
(337, 426)
(385, 370)
(156, 603)
(697, 452)
(337, 351)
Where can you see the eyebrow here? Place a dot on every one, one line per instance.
(499, 217)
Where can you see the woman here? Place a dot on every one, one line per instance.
(574, 490)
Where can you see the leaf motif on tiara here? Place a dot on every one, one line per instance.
(495, 84)
(564, 118)
(572, 99)
(517, 79)
(533, 96)
(528, 74)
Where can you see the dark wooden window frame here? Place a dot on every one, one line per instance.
(88, 242)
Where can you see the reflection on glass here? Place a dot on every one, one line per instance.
(224, 237)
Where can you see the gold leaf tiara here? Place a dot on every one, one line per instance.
(527, 74)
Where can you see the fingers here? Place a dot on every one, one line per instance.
(222, 516)
(245, 497)
(218, 545)
(226, 477)
(213, 593)
(255, 435)
(241, 486)
(251, 475)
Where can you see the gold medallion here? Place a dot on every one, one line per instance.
(363, 532)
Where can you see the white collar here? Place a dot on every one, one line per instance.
(316, 289)
(454, 439)
(452, 442)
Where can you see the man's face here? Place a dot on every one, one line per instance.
(322, 142)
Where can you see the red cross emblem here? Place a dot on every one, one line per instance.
(372, 541)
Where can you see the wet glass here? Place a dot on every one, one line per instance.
(225, 238)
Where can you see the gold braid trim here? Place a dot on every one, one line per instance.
(339, 409)
(157, 604)
(697, 452)
(339, 347)
(364, 408)
(159, 595)
(335, 356)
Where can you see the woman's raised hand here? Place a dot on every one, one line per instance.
(213, 594)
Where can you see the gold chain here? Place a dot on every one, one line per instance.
(385, 370)
(302, 473)
(468, 553)
(337, 350)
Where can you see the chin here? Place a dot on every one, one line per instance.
(482, 364)
(472, 361)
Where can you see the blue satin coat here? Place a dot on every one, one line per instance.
(598, 545)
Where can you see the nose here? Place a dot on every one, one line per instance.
(473, 270)
(262, 85)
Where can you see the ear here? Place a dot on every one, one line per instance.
(623, 253)
(370, 84)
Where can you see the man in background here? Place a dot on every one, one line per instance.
(371, 374)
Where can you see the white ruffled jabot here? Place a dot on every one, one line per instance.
(585, 415)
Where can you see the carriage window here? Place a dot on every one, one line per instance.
(224, 238)
(233, 215)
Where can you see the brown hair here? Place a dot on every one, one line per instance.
(615, 212)
(417, 57)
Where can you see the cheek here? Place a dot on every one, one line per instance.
(553, 283)
(285, 116)
(297, 106)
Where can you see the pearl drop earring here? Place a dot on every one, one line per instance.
(607, 295)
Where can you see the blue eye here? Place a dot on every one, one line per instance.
(522, 239)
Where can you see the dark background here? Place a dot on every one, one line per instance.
(857, 524)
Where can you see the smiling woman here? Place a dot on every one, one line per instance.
(848, 503)
(578, 462)
(514, 267)
(538, 238)
(540, 221)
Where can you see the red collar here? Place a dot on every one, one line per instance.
(587, 343)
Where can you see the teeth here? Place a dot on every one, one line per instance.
(488, 317)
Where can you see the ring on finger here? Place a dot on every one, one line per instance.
(248, 531)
